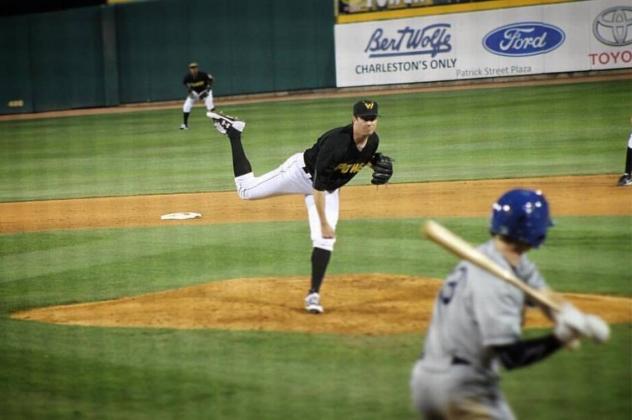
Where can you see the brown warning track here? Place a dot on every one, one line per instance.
(568, 195)
(359, 304)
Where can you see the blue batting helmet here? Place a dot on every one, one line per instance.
(521, 215)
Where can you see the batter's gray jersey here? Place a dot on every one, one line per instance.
(474, 311)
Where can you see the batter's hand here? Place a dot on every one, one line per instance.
(327, 232)
(570, 323)
(598, 329)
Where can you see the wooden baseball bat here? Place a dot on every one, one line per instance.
(456, 245)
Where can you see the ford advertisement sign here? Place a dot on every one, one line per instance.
(524, 39)
(557, 37)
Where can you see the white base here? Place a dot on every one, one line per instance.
(181, 216)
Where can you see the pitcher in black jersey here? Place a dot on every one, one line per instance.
(199, 88)
(317, 174)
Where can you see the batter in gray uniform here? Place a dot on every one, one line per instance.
(477, 320)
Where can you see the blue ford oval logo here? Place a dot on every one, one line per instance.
(524, 39)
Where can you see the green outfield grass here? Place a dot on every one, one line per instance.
(583, 254)
(67, 372)
(482, 133)
(59, 371)
(49, 371)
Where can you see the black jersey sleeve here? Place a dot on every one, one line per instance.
(325, 163)
(524, 353)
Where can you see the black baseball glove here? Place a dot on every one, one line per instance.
(382, 169)
(203, 94)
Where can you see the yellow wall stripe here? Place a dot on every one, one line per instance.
(440, 10)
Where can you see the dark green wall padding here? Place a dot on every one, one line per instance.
(129, 53)
(15, 64)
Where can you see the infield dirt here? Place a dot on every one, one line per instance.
(370, 304)
(567, 195)
(357, 304)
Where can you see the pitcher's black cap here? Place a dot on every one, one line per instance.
(365, 108)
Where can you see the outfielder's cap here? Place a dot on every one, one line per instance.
(365, 108)
(193, 65)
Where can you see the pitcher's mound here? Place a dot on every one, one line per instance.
(369, 304)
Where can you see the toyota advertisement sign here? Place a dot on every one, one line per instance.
(578, 36)
(613, 26)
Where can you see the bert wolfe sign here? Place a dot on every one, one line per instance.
(552, 38)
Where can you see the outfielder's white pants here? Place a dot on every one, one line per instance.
(194, 97)
(290, 178)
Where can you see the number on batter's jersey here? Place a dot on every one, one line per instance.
(455, 278)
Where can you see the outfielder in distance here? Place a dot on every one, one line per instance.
(198, 86)
(317, 174)
(626, 178)
(477, 320)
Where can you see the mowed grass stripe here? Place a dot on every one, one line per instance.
(582, 254)
(487, 133)
(58, 372)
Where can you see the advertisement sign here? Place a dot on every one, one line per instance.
(364, 6)
(524, 39)
(579, 36)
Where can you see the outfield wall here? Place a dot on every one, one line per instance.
(134, 53)
(128, 53)
(522, 41)
(51, 61)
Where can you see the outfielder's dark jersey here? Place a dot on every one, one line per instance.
(335, 159)
(199, 83)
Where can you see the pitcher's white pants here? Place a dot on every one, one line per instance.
(290, 178)
(194, 97)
